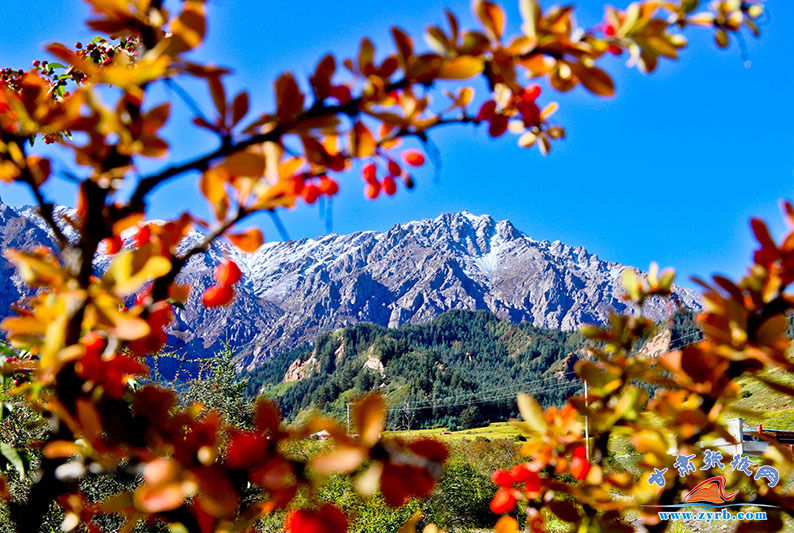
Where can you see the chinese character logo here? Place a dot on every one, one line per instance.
(710, 491)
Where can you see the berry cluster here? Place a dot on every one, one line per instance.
(226, 274)
(526, 474)
(388, 184)
(523, 481)
(310, 188)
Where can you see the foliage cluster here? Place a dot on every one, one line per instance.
(86, 333)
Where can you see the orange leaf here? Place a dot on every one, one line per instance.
(363, 143)
(405, 45)
(594, 79)
(239, 107)
(365, 57)
(156, 117)
(189, 28)
(218, 95)
(370, 418)
(247, 241)
(492, 18)
(506, 524)
(60, 449)
(244, 164)
(289, 98)
(321, 80)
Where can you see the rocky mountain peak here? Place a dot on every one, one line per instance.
(413, 272)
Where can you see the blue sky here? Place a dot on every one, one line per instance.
(668, 170)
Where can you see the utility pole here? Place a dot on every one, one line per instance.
(586, 426)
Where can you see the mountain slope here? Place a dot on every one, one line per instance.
(416, 271)
(435, 372)
(410, 274)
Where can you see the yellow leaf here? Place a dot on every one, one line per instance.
(128, 75)
(370, 416)
(410, 525)
(531, 412)
(549, 110)
(465, 96)
(461, 68)
(530, 12)
(367, 482)
(131, 269)
(340, 460)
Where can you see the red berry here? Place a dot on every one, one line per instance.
(328, 186)
(310, 193)
(532, 484)
(580, 452)
(143, 236)
(415, 158)
(520, 473)
(228, 273)
(111, 245)
(609, 30)
(78, 45)
(296, 184)
(503, 501)
(615, 50)
(394, 168)
(327, 519)
(94, 343)
(372, 190)
(160, 315)
(579, 468)
(502, 478)
(217, 295)
(36, 62)
(389, 185)
(370, 173)
(531, 93)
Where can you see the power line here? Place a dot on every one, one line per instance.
(476, 397)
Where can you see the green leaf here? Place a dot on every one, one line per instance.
(13, 457)
(55, 65)
(8, 352)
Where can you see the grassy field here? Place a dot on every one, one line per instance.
(495, 431)
(761, 405)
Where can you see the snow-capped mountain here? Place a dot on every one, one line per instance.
(293, 290)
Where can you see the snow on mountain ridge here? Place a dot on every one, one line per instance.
(292, 290)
